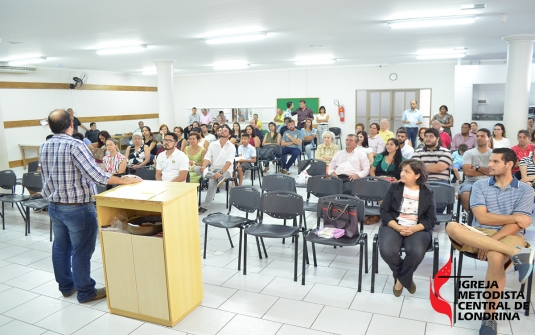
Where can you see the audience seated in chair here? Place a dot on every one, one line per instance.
(309, 134)
(246, 157)
(195, 153)
(220, 156)
(349, 164)
(436, 158)
(272, 137)
(502, 208)
(407, 220)
(172, 164)
(291, 145)
(406, 150)
(387, 163)
(138, 154)
(374, 140)
(475, 165)
(327, 149)
(114, 162)
(464, 137)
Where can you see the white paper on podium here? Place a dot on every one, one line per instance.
(138, 194)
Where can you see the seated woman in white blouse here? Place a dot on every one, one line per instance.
(498, 137)
(114, 162)
(362, 145)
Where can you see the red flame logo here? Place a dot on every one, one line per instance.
(438, 303)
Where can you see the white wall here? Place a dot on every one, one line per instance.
(29, 104)
(468, 75)
(263, 88)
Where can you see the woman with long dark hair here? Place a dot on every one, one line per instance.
(323, 124)
(272, 137)
(388, 162)
(498, 137)
(237, 131)
(362, 145)
(254, 140)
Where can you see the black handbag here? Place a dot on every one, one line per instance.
(266, 153)
(341, 216)
(317, 168)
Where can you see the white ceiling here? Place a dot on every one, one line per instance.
(353, 31)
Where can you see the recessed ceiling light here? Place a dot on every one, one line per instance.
(431, 22)
(122, 50)
(474, 6)
(460, 48)
(230, 65)
(236, 38)
(316, 46)
(35, 60)
(322, 61)
(441, 56)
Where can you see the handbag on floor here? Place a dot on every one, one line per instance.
(341, 216)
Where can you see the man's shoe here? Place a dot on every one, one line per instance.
(266, 169)
(101, 293)
(285, 172)
(412, 289)
(202, 210)
(220, 181)
(68, 294)
(488, 327)
(523, 262)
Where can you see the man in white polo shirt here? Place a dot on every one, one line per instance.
(171, 164)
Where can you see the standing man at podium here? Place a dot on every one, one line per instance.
(69, 176)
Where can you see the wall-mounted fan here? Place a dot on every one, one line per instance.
(79, 81)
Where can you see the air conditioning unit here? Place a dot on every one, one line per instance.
(483, 102)
(16, 69)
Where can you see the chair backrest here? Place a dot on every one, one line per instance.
(322, 186)
(282, 205)
(336, 131)
(278, 182)
(33, 166)
(444, 195)
(146, 173)
(8, 179)
(32, 181)
(317, 168)
(245, 198)
(124, 141)
(343, 199)
(370, 188)
(101, 188)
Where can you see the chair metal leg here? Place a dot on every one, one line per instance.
(366, 252)
(314, 254)
(27, 230)
(374, 250)
(244, 252)
(283, 240)
(435, 257)
(3, 217)
(263, 247)
(295, 257)
(305, 255)
(528, 295)
(229, 239)
(205, 238)
(258, 247)
(239, 249)
(361, 255)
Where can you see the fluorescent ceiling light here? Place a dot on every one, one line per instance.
(431, 22)
(36, 60)
(236, 38)
(316, 61)
(441, 56)
(230, 65)
(474, 6)
(122, 50)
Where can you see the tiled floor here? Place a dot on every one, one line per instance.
(265, 301)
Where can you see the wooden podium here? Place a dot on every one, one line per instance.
(152, 278)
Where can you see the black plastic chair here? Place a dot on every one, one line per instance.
(433, 247)
(277, 151)
(146, 173)
(444, 197)
(370, 189)
(278, 182)
(361, 239)
(280, 205)
(8, 181)
(337, 135)
(321, 186)
(33, 182)
(33, 166)
(313, 168)
(244, 198)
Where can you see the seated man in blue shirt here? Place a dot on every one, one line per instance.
(291, 144)
(502, 208)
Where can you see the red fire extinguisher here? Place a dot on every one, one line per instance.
(341, 110)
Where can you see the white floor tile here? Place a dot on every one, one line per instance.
(293, 330)
(49, 289)
(324, 275)
(152, 329)
(12, 250)
(16, 327)
(249, 303)
(331, 295)
(293, 312)
(13, 271)
(287, 288)
(4, 320)
(381, 324)
(196, 322)
(31, 279)
(36, 309)
(216, 276)
(44, 264)
(4, 287)
(29, 257)
(14, 297)
(251, 282)
(342, 321)
(110, 324)
(70, 319)
(245, 325)
(379, 303)
(281, 269)
(215, 296)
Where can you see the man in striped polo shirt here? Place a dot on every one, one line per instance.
(437, 159)
(502, 207)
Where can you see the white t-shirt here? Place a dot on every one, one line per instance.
(210, 137)
(172, 165)
(503, 143)
(408, 214)
(367, 150)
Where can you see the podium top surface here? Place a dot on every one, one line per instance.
(147, 191)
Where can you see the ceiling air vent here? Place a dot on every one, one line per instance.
(16, 69)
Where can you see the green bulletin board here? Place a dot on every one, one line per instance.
(312, 103)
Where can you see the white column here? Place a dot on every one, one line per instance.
(166, 99)
(518, 82)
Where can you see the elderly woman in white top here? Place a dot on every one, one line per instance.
(327, 149)
(138, 154)
(114, 162)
